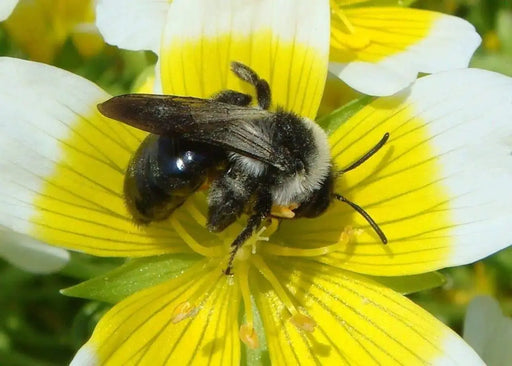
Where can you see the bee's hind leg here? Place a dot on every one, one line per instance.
(262, 211)
(262, 88)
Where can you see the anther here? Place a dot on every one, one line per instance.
(183, 311)
(303, 322)
(249, 336)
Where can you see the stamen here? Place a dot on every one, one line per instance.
(243, 282)
(303, 322)
(258, 238)
(195, 213)
(335, 9)
(285, 212)
(215, 251)
(248, 336)
(280, 250)
(351, 38)
(187, 308)
(274, 282)
(345, 238)
(247, 333)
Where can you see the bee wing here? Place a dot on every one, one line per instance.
(221, 124)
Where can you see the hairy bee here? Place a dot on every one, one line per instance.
(253, 159)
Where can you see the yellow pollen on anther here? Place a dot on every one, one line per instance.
(248, 336)
(183, 311)
(285, 212)
(303, 322)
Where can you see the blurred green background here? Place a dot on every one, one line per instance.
(39, 326)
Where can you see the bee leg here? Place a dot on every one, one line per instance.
(262, 88)
(262, 211)
(228, 198)
(233, 97)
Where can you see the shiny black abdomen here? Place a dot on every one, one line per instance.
(164, 172)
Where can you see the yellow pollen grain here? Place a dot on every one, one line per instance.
(249, 336)
(285, 212)
(348, 235)
(303, 322)
(260, 264)
(215, 251)
(183, 311)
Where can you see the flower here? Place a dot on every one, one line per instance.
(41, 27)
(438, 189)
(377, 47)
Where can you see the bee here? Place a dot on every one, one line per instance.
(253, 159)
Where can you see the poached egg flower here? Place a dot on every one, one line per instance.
(438, 189)
(376, 47)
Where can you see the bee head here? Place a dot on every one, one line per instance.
(318, 200)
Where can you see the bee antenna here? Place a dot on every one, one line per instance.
(366, 156)
(365, 214)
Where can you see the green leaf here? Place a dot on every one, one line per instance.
(84, 266)
(410, 284)
(131, 277)
(335, 119)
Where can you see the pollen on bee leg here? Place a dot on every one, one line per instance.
(285, 212)
(183, 311)
(249, 336)
(303, 322)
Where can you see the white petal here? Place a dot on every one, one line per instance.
(29, 254)
(457, 353)
(469, 116)
(132, 24)
(450, 45)
(85, 357)
(6, 8)
(488, 331)
(62, 165)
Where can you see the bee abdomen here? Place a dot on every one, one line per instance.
(163, 173)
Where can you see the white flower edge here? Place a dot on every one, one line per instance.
(6, 8)
(132, 24)
(29, 254)
(488, 331)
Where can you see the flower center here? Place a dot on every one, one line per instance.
(251, 255)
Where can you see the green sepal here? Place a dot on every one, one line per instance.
(335, 119)
(133, 276)
(414, 283)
